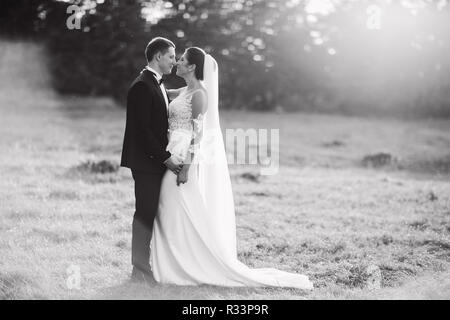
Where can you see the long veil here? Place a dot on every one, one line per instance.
(214, 177)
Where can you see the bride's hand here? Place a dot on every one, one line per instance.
(182, 176)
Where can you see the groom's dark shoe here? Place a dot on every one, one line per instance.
(140, 276)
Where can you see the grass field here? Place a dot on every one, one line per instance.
(325, 213)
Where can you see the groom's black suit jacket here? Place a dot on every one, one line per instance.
(145, 140)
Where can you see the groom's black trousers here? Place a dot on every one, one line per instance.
(146, 189)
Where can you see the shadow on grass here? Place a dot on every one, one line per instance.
(96, 172)
(128, 290)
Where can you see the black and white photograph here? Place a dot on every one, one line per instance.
(226, 150)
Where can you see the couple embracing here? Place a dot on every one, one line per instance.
(184, 230)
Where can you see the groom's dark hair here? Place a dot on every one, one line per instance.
(158, 44)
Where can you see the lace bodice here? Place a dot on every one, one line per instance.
(180, 112)
(183, 129)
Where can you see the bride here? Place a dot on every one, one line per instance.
(194, 235)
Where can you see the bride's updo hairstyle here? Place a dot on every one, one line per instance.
(195, 55)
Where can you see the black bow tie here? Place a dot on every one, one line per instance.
(160, 81)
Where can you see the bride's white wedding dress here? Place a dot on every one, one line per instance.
(193, 239)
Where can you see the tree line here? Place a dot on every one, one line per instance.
(273, 55)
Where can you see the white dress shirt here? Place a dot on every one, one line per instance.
(163, 89)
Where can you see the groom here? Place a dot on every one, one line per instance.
(144, 148)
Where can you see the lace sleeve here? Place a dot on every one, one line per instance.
(198, 103)
(197, 125)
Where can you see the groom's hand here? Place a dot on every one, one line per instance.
(182, 177)
(173, 164)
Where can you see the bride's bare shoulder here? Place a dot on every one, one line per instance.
(202, 88)
(173, 93)
(199, 100)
